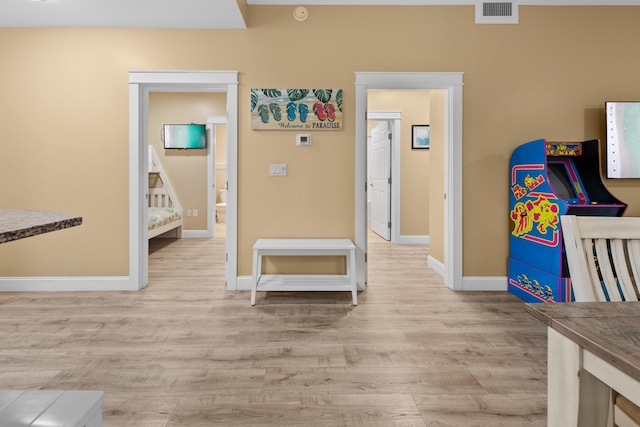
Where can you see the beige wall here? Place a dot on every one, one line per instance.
(436, 190)
(64, 116)
(414, 164)
(187, 169)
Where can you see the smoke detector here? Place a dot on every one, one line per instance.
(300, 13)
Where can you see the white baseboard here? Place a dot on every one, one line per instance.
(243, 283)
(435, 265)
(58, 284)
(472, 283)
(195, 234)
(484, 283)
(413, 240)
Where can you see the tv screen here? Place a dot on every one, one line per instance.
(185, 136)
(560, 181)
(623, 139)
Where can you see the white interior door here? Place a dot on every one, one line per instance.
(380, 185)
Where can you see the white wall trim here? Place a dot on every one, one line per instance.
(195, 234)
(413, 240)
(244, 283)
(451, 83)
(444, 2)
(61, 284)
(435, 265)
(485, 283)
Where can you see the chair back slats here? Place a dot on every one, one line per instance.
(621, 264)
(603, 255)
(634, 262)
(608, 277)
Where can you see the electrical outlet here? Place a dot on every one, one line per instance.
(188, 212)
(195, 212)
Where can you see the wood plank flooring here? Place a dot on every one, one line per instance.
(186, 352)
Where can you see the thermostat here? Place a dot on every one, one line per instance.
(303, 139)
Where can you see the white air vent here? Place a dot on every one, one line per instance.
(496, 12)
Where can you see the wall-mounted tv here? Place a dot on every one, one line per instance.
(183, 136)
(623, 139)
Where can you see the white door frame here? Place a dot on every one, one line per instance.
(141, 83)
(394, 119)
(451, 83)
(212, 122)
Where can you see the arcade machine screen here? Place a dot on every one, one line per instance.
(560, 181)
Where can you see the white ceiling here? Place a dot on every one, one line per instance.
(203, 14)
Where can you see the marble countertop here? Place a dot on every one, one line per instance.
(18, 223)
(610, 330)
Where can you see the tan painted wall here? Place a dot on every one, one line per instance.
(414, 164)
(187, 169)
(64, 116)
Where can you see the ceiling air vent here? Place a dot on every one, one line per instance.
(496, 12)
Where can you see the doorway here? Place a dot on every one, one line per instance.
(141, 83)
(451, 84)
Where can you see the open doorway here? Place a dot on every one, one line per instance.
(141, 84)
(451, 85)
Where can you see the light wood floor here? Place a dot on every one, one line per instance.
(186, 352)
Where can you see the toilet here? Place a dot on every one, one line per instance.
(221, 208)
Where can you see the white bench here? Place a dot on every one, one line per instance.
(304, 282)
(72, 408)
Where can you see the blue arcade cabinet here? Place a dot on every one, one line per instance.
(549, 179)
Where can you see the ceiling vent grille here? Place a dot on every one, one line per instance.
(505, 12)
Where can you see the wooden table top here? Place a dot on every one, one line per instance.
(610, 330)
(19, 223)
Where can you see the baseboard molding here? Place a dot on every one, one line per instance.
(484, 283)
(472, 283)
(243, 283)
(195, 234)
(413, 240)
(61, 284)
(435, 265)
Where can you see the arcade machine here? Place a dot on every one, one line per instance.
(549, 179)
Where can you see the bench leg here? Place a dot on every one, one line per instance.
(254, 276)
(352, 275)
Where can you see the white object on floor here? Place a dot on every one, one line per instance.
(304, 282)
(69, 408)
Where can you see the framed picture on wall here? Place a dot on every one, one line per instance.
(419, 136)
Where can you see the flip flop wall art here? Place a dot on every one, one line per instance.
(296, 109)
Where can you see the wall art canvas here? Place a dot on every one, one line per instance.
(420, 137)
(296, 109)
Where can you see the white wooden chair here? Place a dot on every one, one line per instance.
(603, 255)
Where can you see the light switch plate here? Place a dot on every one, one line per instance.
(277, 169)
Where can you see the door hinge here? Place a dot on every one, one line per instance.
(389, 224)
(389, 180)
(365, 257)
(226, 257)
(389, 136)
